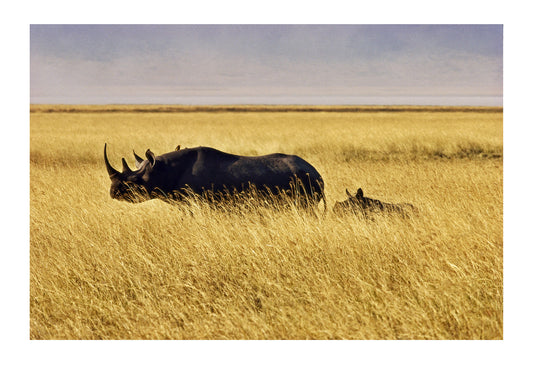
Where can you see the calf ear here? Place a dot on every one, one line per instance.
(151, 157)
(359, 193)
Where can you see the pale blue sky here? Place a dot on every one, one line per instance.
(342, 64)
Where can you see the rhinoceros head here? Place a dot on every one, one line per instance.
(131, 185)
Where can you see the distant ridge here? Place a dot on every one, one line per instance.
(254, 108)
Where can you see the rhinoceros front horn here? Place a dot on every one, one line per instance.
(112, 171)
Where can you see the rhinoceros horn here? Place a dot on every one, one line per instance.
(125, 167)
(111, 170)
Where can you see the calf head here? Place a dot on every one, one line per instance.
(363, 202)
(357, 202)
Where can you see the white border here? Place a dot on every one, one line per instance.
(273, 357)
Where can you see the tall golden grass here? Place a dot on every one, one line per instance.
(104, 269)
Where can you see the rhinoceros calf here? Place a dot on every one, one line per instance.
(359, 204)
(202, 170)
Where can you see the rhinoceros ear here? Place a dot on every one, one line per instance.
(151, 157)
(359, 193)
(138, 160)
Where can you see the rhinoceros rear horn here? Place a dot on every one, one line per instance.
(112, 171)
(125, 167)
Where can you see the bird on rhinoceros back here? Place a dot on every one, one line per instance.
(183, 172)
(359, 204)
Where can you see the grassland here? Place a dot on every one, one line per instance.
(103, 269)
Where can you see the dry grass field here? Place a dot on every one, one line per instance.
(104, 269)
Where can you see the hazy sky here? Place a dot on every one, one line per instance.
(266, 64)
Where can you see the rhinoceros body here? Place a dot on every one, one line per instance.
(203, 170)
